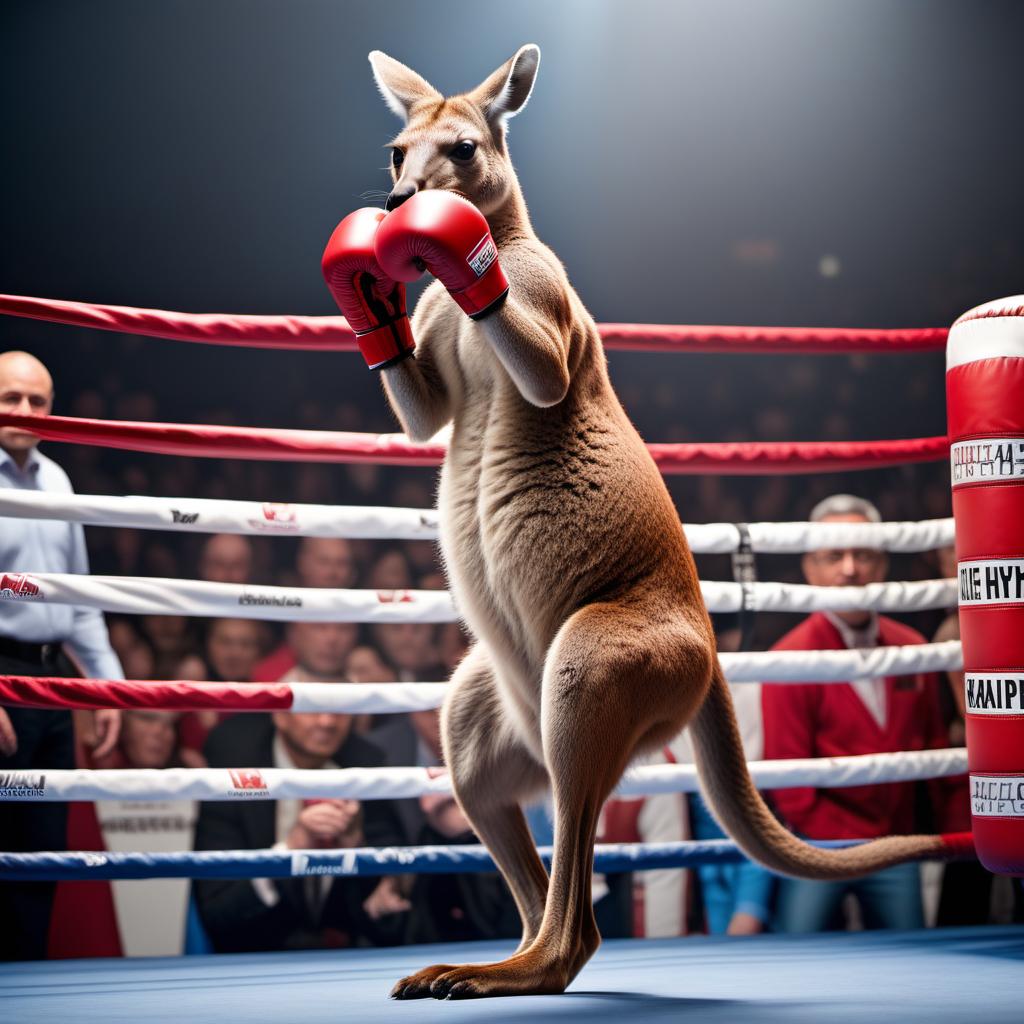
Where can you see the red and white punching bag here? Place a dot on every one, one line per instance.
(985, 407)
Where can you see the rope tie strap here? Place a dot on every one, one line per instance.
(744, 572)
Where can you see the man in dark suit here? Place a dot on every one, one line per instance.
(400, 739)
(445, 908)
(295, 913)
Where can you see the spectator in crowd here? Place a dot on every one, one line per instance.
(320, 650)
(390, 571)
(445, 908)
(645, 904)
(322, 563)
(433, 580)
(737, 898)
(265, 914)
(412, 491)
(364, 664)
(151, 914)
(125, 554)
(865, 716)
(35, 640)
(136, 917)
(133, 651)
(325, 562)
(148, 739)
(423, 558)
(363, 479)
(171, 638)
(409, 647)
(734, 898)
(413, 738)
(231, 648)
(226, 558)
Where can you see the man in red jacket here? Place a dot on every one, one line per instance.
(864, 716)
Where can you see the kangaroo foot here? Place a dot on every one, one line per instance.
(523, 974)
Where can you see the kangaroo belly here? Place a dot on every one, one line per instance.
(484, 603)
(537, 523)
(481, 597)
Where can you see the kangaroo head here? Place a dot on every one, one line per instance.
(455, 143)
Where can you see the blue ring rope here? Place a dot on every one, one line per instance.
(361, 862)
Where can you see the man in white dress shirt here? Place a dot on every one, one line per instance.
(40, 639)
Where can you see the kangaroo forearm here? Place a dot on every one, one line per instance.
(420, 402)
(531, 351)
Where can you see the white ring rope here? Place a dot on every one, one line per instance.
(205, 515)
(840, 666)
(771, 667)
(400, 783)
(740, 667)
(369, 698)
(145, 595)
(921, 595)
(201, 515)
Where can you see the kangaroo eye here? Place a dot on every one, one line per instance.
(464, 151)
(397, 158)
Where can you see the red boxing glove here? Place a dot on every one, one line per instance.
(373, 303)
(450, 236)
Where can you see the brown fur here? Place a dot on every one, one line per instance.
(567, 560)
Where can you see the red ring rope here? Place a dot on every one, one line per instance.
(332, 333)
(746, 458)
(175, 694)
(327, 333)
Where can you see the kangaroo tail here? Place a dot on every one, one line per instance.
(740, 810)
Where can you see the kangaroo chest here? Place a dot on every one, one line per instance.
(527, 529)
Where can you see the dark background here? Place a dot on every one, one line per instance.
(804, 163)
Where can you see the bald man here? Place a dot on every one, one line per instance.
(26, 389)
(33, 639)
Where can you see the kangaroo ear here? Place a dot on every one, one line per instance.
(400, 86)
(505, 93)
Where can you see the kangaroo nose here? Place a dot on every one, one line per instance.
(396, 199)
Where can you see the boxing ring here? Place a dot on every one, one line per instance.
(945, 977)
(949, 975)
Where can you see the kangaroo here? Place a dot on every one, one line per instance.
(566, 558)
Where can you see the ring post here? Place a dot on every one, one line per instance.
(985, 407)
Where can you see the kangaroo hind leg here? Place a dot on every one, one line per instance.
(492, 772)
(612, 686)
